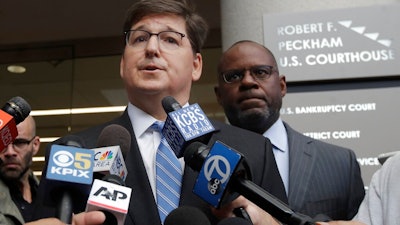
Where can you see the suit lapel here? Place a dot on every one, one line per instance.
(301, 163)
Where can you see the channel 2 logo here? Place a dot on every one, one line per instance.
(217, 170)
(70, 164)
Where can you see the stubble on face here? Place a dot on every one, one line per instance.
(15, 173)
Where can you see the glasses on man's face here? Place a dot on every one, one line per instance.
(21, 143)
(168, 40)
(262, 72)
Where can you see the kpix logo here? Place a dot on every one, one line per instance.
(70, 164)
(217, 170)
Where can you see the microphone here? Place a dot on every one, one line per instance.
(234, 221)
(68, 177)
(223, 175)
(184, 125)
(114, 143)
(384, 156)
(111, 197)
(12, 113)
(185, 215)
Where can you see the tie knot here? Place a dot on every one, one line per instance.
(158, 126)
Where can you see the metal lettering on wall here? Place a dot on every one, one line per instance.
(335, 44)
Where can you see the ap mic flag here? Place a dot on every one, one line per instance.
(112, 198)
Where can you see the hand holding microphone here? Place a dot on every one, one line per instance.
(110, 196)
(68, 177)
(109, 193)
(223, 176)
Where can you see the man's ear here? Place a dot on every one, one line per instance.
(197, 67)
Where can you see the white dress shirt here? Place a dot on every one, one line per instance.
(148, 141)
(278, 137)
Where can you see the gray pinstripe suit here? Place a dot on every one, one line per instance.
(323, 178)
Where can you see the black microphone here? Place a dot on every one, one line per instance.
(68, 178)
(185, 215)
(234, 221)
(12, 113)
(110, 196)
(223, 175)
(113, 145)
(185, 125)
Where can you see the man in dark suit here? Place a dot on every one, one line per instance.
(319, 178)
(162, 58)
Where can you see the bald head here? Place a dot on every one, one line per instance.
(243, 44)
(27, 127)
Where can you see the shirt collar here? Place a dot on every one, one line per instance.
(278, 136)
(140, 120)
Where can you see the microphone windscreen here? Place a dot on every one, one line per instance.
(112, 178)
(113, 135)
(18, 108)
(73, 141)
(185, 215)
(170, 104)
(194, 155)
(234, 221)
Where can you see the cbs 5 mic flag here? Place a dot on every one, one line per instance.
(12, 113)
(113, 199)
(185, 125)
(68, 178)
(109, 160)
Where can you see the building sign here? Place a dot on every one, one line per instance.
(335, 44)
(359, 116)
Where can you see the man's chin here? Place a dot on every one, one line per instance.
(12, 175)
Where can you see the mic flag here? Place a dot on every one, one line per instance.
(12, 113)
(68, 178)
(109, 160)
(224, 176)
(218, 168)
(184, 125)
(70, 164)
(109, 198)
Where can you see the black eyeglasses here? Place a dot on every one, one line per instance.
(20, 143)
(261, 72)
(168, 40)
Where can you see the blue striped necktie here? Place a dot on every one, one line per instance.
(168, 177)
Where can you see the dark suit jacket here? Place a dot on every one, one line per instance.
(143, 209)
(323, 178)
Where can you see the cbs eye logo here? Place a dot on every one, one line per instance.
(216, 166)
(63, 158)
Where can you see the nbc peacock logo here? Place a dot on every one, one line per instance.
(106, 155)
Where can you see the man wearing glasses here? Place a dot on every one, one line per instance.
(319, 178)
(18, 185)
